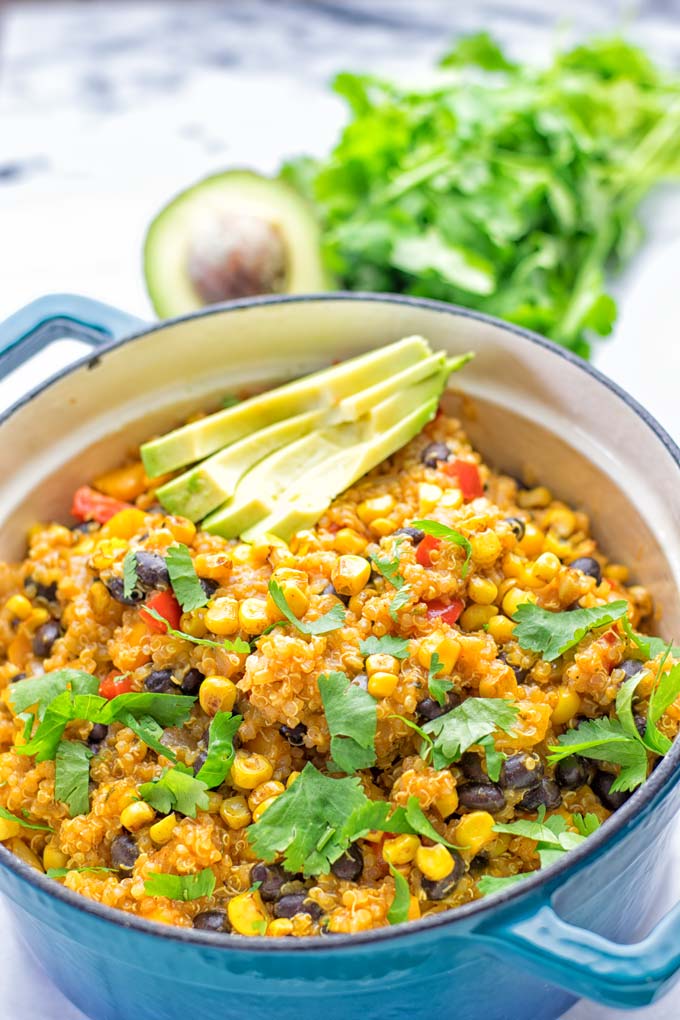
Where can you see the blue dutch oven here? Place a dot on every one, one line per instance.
(575, 929)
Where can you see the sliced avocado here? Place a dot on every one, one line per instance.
(322, 389)
(232, 235)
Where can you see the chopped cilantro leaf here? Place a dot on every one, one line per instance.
(177, 789)
(494, 758)
(605, 739)
(72, 776)
(42, 690)
(398, 912)
(215, 768)
(385, 817)
(129, 573)
(439, 530)
(185, 583)
(399, 601)
(388, 566)
(424, 751)
(62, 872)
(457, 730)
(438, 686)
(649, 646)
(586, 824)
(238, 645)
(553, 634)
(489, 884)
(351, 714)
(9, 817)
(332, 620)
(181, 887)
(666, 690)
(229, 400)
(148, 731)
(386, 645)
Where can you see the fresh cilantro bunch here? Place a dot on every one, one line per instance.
(505, 188)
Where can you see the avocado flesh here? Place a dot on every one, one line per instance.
(241, 193)
(323, 389)
(324, 463)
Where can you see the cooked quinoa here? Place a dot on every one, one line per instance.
(64, 607)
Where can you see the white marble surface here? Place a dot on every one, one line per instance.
(107, 108)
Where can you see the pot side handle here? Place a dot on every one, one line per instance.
(614, 974)
(38, 324)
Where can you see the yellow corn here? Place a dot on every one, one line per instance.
(476, 617)
(250, 769)
(193, 622)
(99, 598)
(217, 694)
(221, 616)
(8, 828)
(371, 509)
(558, 546)
(247, 914)
(532, 543)
(534, 498)
(500, 628)
(546, 567)
(291, 779)
(241, 554)
(19, 606)
(568, 704)
(515, 598)
(216, 566)
(382, 685)
(413, 909)
(124, 483)
(482, 590)
(261, 808)
(445, 646)
(474, 831)
(181, 529)
(265, 791)
(38, 616)
(107, 552)
(137, 815)
(124, 524)
(486, 548)
(253, 617)
(349, 541)
(616, 572)
(513, 565)
(280, 926)
(54, 858)
(561, 520)
(234, 812)
(435, 862)
(18, 847)
(452, 499)
(447, 803)
(350, 574)
(161, 832)
(382, 526)
(214, 802)
(401, 849)
(428, 497)
(381, 663)
(296, 597)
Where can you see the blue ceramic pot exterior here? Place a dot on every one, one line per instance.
(527, 953)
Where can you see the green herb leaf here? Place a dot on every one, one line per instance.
(387, 645)
(401, 599)
(666, 690)
(9, 817)
(72, 776)
(421, 825)
(478, 49)
(184, 580)
(586, 824)
(238, 645)
(389, 566)
(221, 752)
(650, 647)
(129, 573)
(177, 789)
(494, 758)
(466, 725)
(491, 884)
(553, 634)
(438, 686)
(443, 532)
(181, 887)
(62, 872)
(398, 912)
(148, 731)
(332, 620)
(351, 714)
(42, 690)
(605, 739)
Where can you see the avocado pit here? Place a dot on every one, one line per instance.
(233, 255)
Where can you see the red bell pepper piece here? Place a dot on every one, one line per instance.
(424, 549)
(467, 475)
(448, 612)
(114, 684)
(167, 606)
(90, 505)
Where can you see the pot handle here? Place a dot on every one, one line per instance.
(38, 324)
(612, 973)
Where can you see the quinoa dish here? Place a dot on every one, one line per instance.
(432, 689)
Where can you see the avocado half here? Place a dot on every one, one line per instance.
(232, 235)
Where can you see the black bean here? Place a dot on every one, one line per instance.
(360, 680)
(192, 681)
(330, 590)
(630, 667)
(518, 526)
(434, 453)
(481, 797)
(415, 534)
(640, 723)
(44, 638)
(212, 920)
(444, 887)
(471, 767)
(271, 877)
(520, 674)
(44, 592)
(350, 865)
(571, 773)
(588, 565)
(199, 762)
(152, 571)
(429, 708)
(159, 681)
(546, 794)
(85, 527)
(116, 589)
(209, 586)
(602, 786)
(17, 677)
(295, 735)
(521, 771)
(97, 733)
(124, 852)
(296, 903)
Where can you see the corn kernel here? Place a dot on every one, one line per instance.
(284, 573)
(247, 914)
(452, 499)
(241, 554)
(474, 831)
(38, 616)
(250, 769)
(370, 509)
(253, 617)
(534, 498)
(19, 606)
(382, 526)
(350, 574)
(486, 548)
(107, 552)
(477, 617)
(221, 616)
(124, 524)
(54, 858)
(447, 803)
(296, 597)
(547, 567)
(567, 706)
(413, 909)
(349, 541)
(217, 694)
(382, 685)
(382, 663)
(446, 647)
(616, 572)
(161, 831)
(482, 590)
(401, 849)
(272, 788)
(22, 850)
(261, 808)
(214, 802)
(216, 566)
(234, 812)
(291, 779)
(137, 815)
(561, 520)
(8, 828)
(532, 543)
(123, 483)
(500, 628)
(513, 565)
(193, 622)
(435, 862)
(428, 497)
(181, 529)
(515, 598)
(280, 926)
(99, 598)
(553, 544)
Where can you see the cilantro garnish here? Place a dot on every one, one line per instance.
(72, 776)
(351, 715)
(181, 887)
(9, 817)
(215, 768)
(386, 645)
(388, 566)
(129, 573)
(439, 530)
(332, 620)
(62, 872)
(553, 634)
(385, 817)
(42, 690)
(184, 580)
(177, 789)
(238, 645)
(494, 758)
(491, 883)
(438, 686)
(649, 646)
(399, 601)
(398, 912)
(466, 725)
